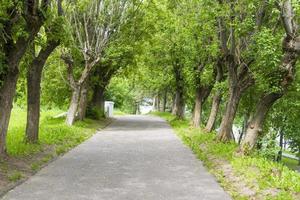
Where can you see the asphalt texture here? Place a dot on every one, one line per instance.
(135, 158)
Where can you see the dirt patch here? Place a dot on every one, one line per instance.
(234, 183)
(15, 170)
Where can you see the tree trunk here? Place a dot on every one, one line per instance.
(72, 111)
(157, 105)
(217, 96)
(13, 52)
(245, 124)
(197, 108)
(229, 115)
(83, 102)
(256, 121)
(174, 108)
(7, 93)
(214, 111)
(98, 99)
(164, 104)
(279, 156)
(179, 102)
(34, 77)
(179, 105)
(137, 108)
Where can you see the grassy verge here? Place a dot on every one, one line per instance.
(56, 138)
(251, 177)
(291, 163)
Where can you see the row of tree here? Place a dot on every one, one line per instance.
(232, 59)
(90, 39)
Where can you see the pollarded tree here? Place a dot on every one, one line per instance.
(286, 72)
(93, 24)
(121, 52)
(241, 26)
(20, 23)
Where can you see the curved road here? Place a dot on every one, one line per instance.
(135, 158)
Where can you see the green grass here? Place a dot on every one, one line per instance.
(53, 132)
(254, 169)
(291, 163)
(15, 176)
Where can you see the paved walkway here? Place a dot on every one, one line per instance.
(135, 158)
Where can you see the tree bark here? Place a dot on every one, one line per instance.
(217, 96)
(179, 108)
(229, 115)
(34, 77)
(197, 108)
(164, 104)
(98, 98)
(157, 105)
(174, 109)
(179, 105)
(279, 156)
(72, 111)
(7, 93)
(255, 124)
(214, 111)
(245, 124)
(83, 102)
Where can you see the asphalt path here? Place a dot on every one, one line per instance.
(135, 158)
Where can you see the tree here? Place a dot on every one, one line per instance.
(286, 70)
(237, 61)
(53, 30)
(92, 28)
(20, 25)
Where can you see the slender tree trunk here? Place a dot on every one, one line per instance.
(34, 77)
(164, 105)
(83, 102)
(245, 124)
(214, 111)
(72, 111)
(197, 108)
(279, 156)
(229, 115)
(157, 102)
(217, 96)
(256, 121)
(179, 105)
(137, 108)
(179, 102)
(174, 108)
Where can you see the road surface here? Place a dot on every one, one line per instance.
(135, 158)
